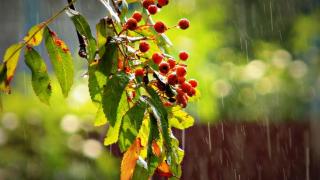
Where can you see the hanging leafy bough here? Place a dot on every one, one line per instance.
(139, 89)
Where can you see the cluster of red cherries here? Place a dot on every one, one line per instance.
(172, 72)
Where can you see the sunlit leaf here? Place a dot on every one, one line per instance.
(179, 118)
(40, 78)
(103, 32)
(160, 114)
(113, 131)
(61, 60)
(100, 118)
(152, 159)
(83, 28)
(112, 96)
(123, 10)
(144, 135)
(100, 71)
(131, 124)
(9, 65)
(35, 35)
(175, 157)
(141, 170)
(129, 160)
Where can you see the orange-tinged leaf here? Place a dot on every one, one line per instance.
(129, 160)
(8, 68)
(164, 170)
(35, 35)
(61, 60)
(156, 149)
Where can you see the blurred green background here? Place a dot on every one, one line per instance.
(254, 60)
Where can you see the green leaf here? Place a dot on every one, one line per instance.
(35, 35)
(100, 71)
(40, 78)
(61, 60)
(179, 118)
(123, 9)
(140, 171)
(83, 28)
(9, 65)
(100, 118)
(113, 131)
(131, 124)
(175, 157)
(161, 115)
(112, 95)
(103, 32)
(152, 159)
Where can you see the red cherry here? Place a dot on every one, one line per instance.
(160, 27)
(157, 58)
(181, 80)
(183, 55)
(181, 71)
(182, 99)
(164, 67)
(147, 3)
(186, 87)
(192, 92)
(163, 2)
(139, 72)
(184, 24)
(144, 46)
(152, 9)
(172, 63)
(132, 24)
(193, 82)
(172, 79)
(167, 104)
(137, 16)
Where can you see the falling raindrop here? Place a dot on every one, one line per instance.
(267, 124)
(209, 136)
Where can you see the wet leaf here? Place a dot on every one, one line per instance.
(131, 124)
(61, 60)
(9, 65)
(152, 159)
(140, 171)
(83, 28)
(179, 118)
(160, 114)
(129, 160)
(100, 71)
(40, 78)
(35, 35)
(100, 118)
(103, 32)
(113, 131)
(112, 94)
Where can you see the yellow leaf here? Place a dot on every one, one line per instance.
(100, 118)
(129, 160)
(35, 35)
(10, 60)
(179, 118)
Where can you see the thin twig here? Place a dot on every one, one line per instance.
(41, 27)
